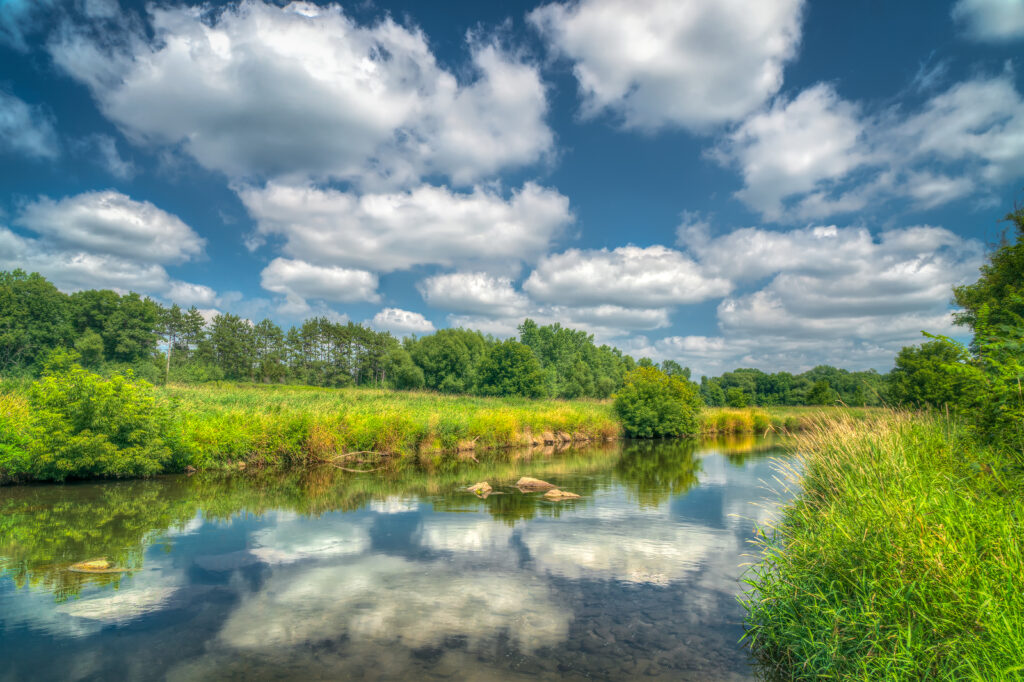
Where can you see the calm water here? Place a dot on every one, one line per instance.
(329, 575)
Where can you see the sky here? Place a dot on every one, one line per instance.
(776, 184)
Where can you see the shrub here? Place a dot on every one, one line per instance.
(80, 424)
(653, 404)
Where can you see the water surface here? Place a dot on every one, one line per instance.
(324, 574)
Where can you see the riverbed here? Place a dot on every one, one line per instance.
(398, 575)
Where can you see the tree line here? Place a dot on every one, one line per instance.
(112, 332)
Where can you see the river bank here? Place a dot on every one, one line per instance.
(222, 426)
(901, 559)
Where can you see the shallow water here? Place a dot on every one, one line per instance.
(324, 574)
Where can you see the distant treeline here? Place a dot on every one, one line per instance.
(823, 385)
(113, 332)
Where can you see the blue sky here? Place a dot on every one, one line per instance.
(774, 184)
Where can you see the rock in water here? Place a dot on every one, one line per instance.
(557, 495)
(527, 484)
(481, 488)
(96, 566)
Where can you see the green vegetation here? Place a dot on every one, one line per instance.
(902, 556)
(75, 424)
(653, 404)
(901, 559)
(822, 385)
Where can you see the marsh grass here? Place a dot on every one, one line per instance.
(305, 425)
(725, 420)
(902, 557)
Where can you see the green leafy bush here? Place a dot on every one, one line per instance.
(653, 404)
(80, 424)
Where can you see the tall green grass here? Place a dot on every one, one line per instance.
(901, 558)
(290, 425)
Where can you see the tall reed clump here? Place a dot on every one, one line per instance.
(902, 558)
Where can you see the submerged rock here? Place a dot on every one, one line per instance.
(527, 484)
(557, 495)
(100, 565)
(481, 488)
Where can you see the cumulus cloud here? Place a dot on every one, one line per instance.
(26, 130)
(424, 226)
(629, 276)
(993, 21)
(818, 155)
(833, 294)
(255, 90)
(795, 145)
(111, 223)
(474, 293)
(401, 322)
(299, 281)
(105, 240)
(691, 63)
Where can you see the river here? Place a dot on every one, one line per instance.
(399, 575)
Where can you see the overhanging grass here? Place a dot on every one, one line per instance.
(903, 558)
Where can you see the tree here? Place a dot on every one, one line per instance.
(712, 393)
(1000, 287)
(736, 397)
(231, 345)
(822, 394)
(653, 404)
(510, 368)
(449, 358)
(34, 318)
(925, 375)
(674, 369)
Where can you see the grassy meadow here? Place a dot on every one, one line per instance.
(902, 557)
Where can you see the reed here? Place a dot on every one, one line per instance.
(901, 557)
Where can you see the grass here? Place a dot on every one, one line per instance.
(725, 420)
(902, 557)
(224, 425)
(287, 424)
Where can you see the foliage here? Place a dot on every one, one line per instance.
(901, 559)
(736, 397)
(653, 404)
(510, 368)
(924, 376)
(82, 425)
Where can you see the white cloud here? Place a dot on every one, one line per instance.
(991, 20)
(819, 155)
(105, 240)
(474, 293)
(302, 91)
(401, 322)
(76, 270)
(427, 225)
(111, 223)
(836, 294)
(693, 63)
(298, 281)
(26, 130)
(794, 146)
(629, 276)
(980, 121)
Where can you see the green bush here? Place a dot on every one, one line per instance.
(82, 425)
(653, 404)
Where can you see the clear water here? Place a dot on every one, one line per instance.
(324, 574)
